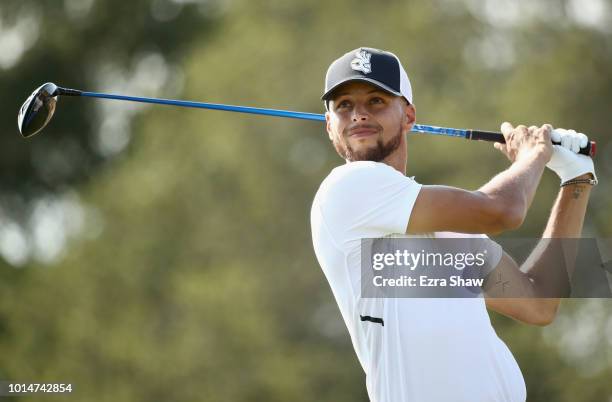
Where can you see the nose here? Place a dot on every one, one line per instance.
(360, 113)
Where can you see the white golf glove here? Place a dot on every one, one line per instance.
(565, 161)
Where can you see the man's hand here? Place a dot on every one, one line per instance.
(565, 161)
(522, 142)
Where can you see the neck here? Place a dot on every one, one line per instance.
(398, 160)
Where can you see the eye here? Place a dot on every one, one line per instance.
(343, 104)
(377, 100)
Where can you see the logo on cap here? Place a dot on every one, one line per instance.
(362, 62)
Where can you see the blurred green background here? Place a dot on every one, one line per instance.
(163, 254)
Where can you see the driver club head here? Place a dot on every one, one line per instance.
(37, 110)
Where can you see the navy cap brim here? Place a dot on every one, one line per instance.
(326, 96)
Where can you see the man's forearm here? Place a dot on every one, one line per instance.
(536, 286)
(552, 262)
(516, 186)
(567, 216)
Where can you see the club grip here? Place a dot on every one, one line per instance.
(495, 136)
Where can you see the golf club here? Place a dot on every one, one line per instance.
(37, 110)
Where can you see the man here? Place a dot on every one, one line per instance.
(430, 350)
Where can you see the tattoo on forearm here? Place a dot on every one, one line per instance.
(501, 282)
(577, 191)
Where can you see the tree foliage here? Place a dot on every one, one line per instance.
(193, 276)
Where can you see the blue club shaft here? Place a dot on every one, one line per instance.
(421, 128)
(212, 106)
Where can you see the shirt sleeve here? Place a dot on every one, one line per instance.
(367, 200)
(494, 256)
(477, 243)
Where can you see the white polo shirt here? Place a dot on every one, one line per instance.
(428, 350)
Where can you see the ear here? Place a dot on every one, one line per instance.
(410, 113)
(328, 126)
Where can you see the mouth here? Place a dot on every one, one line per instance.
(362, 132)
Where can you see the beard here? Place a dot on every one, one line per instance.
(376, 153)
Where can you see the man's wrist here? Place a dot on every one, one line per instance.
(538, 153)
(587, 178)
